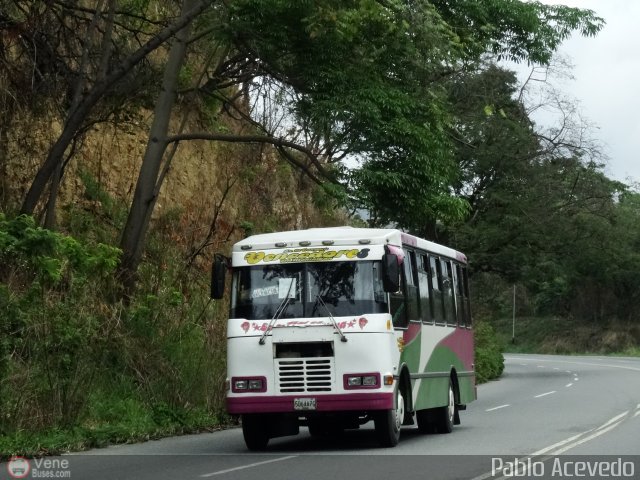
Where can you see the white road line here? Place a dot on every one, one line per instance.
(524, 364)
(567, 444)
(636, 414)
(613, 420)
(556, 445)
(568, 385)
(571, 442)
(544, 394)
(555, 368)
(251, 465)
(497, 408)
(563, 446)
(541, 366)
(607, 365)
(568, 371)
(586, 439)
(638, 407)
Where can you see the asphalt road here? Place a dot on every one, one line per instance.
(543, 406)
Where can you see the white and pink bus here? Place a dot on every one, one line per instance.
(331, 328)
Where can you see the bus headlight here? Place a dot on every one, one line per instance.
(361, 380)
(354, 381)
(369, 381)
(248, 384)
(240, 385)
(255, 384)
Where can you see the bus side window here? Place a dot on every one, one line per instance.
(379, 294)
(411, 283)
(423, 285)
(459, 296)
(436, 297)
(447, 293)
(397, 305)
(467, 298)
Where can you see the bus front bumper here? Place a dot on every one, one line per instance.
(324, 403)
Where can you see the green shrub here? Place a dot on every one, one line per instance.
(79, 369)
(489, 358)
(53, 324)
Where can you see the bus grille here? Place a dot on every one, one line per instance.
(305, 375)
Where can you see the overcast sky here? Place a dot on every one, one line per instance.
(607, 82)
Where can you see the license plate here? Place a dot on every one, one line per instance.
(304, 403)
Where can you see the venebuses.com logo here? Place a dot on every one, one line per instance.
(18, 467)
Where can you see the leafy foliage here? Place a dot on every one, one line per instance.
(488, 356)
(515, 30)
(368, 79)
(72, 360)
(544, 217)
(442, 145)
(51, 256)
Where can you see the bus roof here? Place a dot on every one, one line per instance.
(338, 236)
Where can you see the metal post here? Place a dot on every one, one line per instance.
(513, 322)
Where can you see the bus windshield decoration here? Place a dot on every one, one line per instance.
(287, 288)
(332, 336)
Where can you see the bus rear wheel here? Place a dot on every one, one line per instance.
(445, 415)
(255, 432)
(425, 421)
(440, 419)
(387, 423)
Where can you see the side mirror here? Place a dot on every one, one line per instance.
(390, 273)
(218, 273)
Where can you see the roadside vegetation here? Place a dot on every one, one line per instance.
(489, 361)
(81, 370)
(126, 164)
(562, 335)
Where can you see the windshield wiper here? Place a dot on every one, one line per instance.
(279, 311)
(333, 320)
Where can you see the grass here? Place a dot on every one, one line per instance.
(111, 421)
(557, 335)
(79, 369)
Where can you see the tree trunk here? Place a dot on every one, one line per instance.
(6, 120)
(83, 68)
(148, 184)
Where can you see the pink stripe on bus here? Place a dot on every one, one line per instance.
(461, 343)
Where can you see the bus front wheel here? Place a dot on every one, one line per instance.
(387, 423)
(255, 432)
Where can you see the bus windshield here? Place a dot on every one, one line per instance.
(347, 289)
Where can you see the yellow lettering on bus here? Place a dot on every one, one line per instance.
(254, 257)
(302, 254)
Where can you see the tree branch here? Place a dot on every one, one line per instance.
(276, 142)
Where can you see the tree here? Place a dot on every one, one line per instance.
(76, 119)
(336, 105)
(542, 212)
(147, 190)
(359, 79)
(417, 195)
